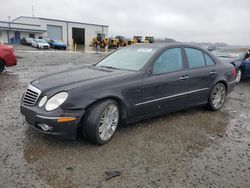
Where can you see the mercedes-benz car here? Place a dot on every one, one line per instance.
(237, 56)
(26, 41)
(57, 44)
(40, 43)
(131, 84)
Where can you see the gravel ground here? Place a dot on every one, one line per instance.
(193, 148)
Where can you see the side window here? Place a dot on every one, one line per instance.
(209, 60)
(195, 58)
(169, 61)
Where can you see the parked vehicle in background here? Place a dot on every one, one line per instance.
(122, 42)
(138, 39)
(149, 40)
(57, 44)
(26, 41)
(117, 42)
(131, 84)
(7, 57)
(236, 56)
(40, 43)
(100, 40)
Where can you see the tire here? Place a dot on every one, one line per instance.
(101, 122)
(2, 66)
(217, 97)
(238, 75)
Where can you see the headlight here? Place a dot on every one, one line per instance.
(55, 101)
(42, 101)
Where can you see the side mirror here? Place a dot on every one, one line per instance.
(150, 72)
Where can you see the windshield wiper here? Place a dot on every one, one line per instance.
(109, 67)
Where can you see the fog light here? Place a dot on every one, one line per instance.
(44, 127)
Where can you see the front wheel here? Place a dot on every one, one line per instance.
(238, 75)
(217, 97)
(2, 66)
(101, 122)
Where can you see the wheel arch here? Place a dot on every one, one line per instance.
(122, 106)
(4, 63)
(1, 59)
(223, 82)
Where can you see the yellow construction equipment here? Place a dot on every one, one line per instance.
(113, 43)
(122, 42)
(100, 40)
(149, 40)
(117, 42)
(131, 41)
(138, 39)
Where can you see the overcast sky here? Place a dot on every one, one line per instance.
(183, 20)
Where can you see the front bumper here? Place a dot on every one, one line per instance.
(44, 47)
(67, 130)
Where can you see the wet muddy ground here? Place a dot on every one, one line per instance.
(192, 148)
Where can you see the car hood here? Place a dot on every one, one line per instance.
(6, 47)
(69, 79)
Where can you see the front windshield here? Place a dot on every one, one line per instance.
(232, 54)
(133, 58)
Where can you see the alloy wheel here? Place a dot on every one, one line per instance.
(219, 96)
(108, 122)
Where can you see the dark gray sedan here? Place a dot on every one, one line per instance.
(131, 84)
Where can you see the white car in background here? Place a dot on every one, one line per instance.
(40, 43)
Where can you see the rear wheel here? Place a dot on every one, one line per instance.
(101, 122)
(217, 97)
(238, 75)
(2, 66)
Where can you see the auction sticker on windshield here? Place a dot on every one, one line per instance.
(146, 50)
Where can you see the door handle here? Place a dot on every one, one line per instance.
(213, 72)
(184, 77)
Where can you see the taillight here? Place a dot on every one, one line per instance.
(234, 72)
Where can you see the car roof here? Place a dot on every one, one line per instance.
(163, 45)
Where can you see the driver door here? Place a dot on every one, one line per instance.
(165, 89)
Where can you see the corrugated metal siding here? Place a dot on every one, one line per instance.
(54, 32)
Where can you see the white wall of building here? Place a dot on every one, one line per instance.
(3, 36)
(38, 26)
(90, 30)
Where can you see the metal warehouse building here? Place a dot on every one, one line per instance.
(67, 31)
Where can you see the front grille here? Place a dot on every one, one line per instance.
(31, 96)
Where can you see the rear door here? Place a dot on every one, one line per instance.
(164, 89)
(201, 76)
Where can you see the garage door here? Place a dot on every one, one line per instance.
(54, 32)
